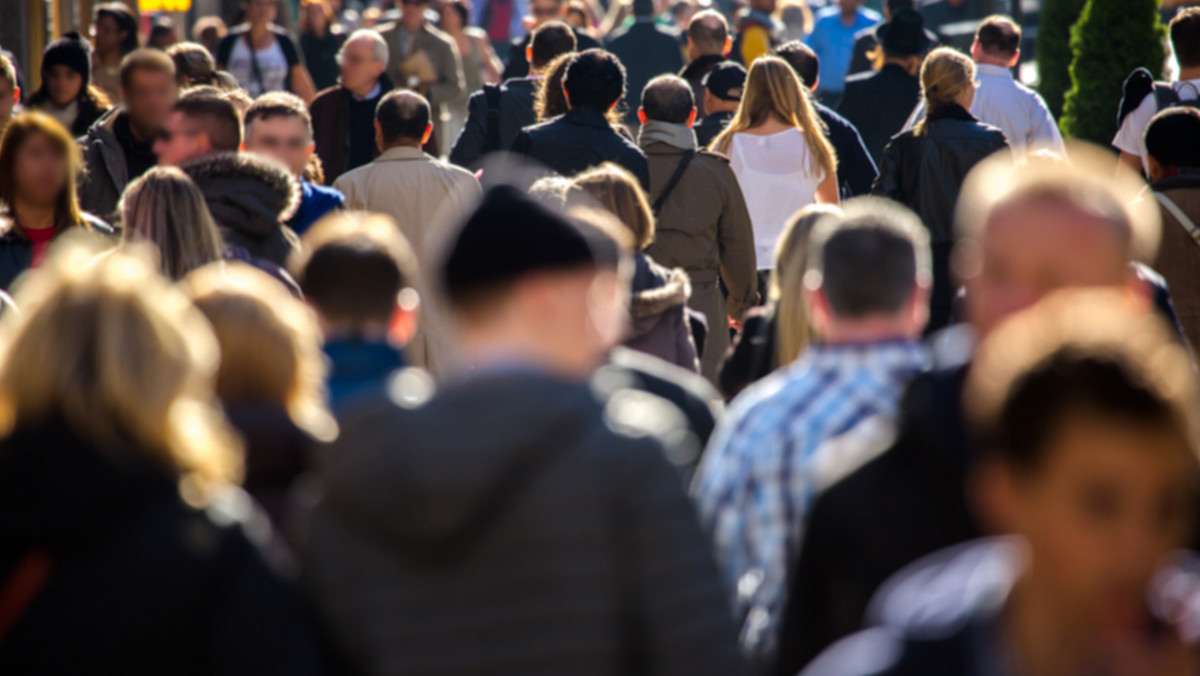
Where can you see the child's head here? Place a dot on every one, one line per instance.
(1089, 408)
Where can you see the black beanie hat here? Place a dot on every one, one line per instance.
(71, 51)
(511, 234)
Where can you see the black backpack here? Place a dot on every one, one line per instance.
(1141, 84)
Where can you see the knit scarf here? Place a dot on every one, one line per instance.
(675, 135)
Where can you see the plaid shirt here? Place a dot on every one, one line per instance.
(760, 474)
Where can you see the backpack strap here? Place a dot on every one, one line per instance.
(491, 139)
(1165, 95)
(1173, 208)
(679, 169)
(23, 585)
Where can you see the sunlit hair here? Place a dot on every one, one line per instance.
(614, 189)
(773, 90)
(1094, 352)
(270, 343)
(549, 101)
(945, 74)
(108, 347)
(17, 133)
(194, 65)
(792, 329)
(164, 207)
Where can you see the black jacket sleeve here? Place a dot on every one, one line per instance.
(468, 147)
(856, 170)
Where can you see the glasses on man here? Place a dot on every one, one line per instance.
(277, 143)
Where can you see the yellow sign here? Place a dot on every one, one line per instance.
(164, 5)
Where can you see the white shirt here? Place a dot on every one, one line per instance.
(272, 64)
(778, 176)
(1131, 137)
(1017, 110)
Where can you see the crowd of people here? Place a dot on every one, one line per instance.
(550, 337)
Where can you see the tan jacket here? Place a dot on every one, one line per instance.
(443, 82)
(428, 198)
(1179, 254)
(704, 226)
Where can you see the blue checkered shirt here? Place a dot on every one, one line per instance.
(759, 477)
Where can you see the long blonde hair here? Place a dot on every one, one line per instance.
(111, 349)
(944, 75)
(792, 330)
(773, 90)
(270, 343)
(164, 207)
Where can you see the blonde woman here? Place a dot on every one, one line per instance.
(119, 523)
(779, 152)
(924, 168)
(776, 334)
(658, 309)
(163, 207)
(271, 378)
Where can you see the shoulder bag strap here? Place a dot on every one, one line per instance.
(254, 69)
(1175, 211)
(679, 169)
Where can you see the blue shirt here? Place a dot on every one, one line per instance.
(784, 438)
(315, 202)
(359, 367)
(833, 41)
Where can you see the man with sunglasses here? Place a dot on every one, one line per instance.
(540, 12)
(278, 125)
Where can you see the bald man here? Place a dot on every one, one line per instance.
(416, 189)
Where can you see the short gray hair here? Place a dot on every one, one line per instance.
(868, 260)
(379, 46)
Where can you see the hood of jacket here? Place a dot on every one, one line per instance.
(55, 488)
(675, 135)
(245, 192)
(656, 290)
(430, 475)
(1184, 179)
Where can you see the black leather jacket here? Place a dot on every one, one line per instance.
(578, 140)
(926, 172)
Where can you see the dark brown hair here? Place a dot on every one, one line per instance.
(18, 132)
(1185, 37)
(999, 36)
(220, 120)
(147, 59)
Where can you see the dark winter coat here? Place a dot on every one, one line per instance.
(578, 140)
(250, 197)
(944, 615)
(925, 173)
(879, 103)
(277, 452)
(548, 536)
(1179, 254)
(358, 367)
(516, 113)
(330, 112)
(856, 168)
(139, 582)
(16, 251)
(710, 127)
(691, 394)
(107, 174)
(647, 50)
(752, 354)
(659, 313)
(694, 73)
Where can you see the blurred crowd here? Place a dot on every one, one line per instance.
(549, 337)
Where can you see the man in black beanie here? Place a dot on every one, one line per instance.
(583, 137)
(516, 522)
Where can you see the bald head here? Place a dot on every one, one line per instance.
(402, 119)
(668, 98)
(362, 60)
(708, 34)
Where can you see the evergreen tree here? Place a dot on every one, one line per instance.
(1054, 50)
(1109, 41)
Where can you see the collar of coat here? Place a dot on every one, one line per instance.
(402, 154)
(675, 135)
(585, 117)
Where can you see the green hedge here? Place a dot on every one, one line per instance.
(1054, 50)
(1111, 38)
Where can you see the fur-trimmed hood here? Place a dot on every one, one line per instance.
(246, 193)
(656, 290)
